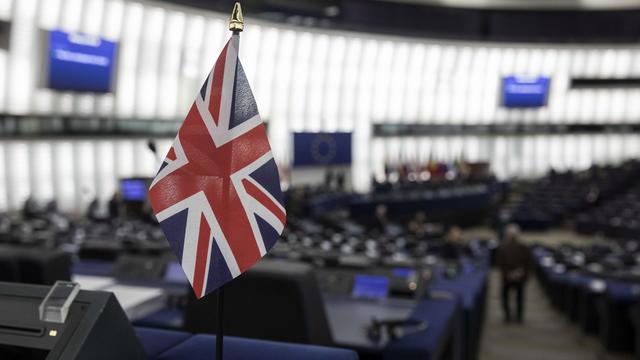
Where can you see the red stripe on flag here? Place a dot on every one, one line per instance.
(216, 85)
(171, 155)
(202, 255)
(259, 195)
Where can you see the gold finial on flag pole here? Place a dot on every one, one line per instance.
(236, 22)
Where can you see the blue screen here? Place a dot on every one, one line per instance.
(133, 189)
(320, 149)
(80, 62)
(370, 286)
(525, 92)
(402, 272)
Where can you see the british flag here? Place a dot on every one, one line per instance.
(217, 194)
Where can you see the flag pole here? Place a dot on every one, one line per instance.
(220, 329)
(236, 25)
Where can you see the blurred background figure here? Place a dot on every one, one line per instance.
(513, 261)
(453, 247)
(418, 226)
(380, 221)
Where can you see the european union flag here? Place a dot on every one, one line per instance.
(321, 149)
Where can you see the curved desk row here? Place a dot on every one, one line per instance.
(601, 306)
(471, 288)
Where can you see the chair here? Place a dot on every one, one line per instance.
(139, 267)
(35, 266)
(9, 269)
(275, 300)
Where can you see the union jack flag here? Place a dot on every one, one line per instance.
(217, 194)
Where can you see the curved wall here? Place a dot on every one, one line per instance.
(304, 80)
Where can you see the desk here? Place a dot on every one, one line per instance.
(587, 314)
(634, 314)
(464, 202)
(574, 283)
(441, 340)
(565, 289)
(349, 319)
(470, 286)
(616, 328)
(88, 282)
(605, 313)
(579, 299)
(136, 301)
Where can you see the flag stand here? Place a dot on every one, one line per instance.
(220, 326)
(236, 25)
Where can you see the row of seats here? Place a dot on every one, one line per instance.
(558, 196)
(348, 243)
(34, 266)
(618, 217)
(459, 201)
(40, 226)
(597, 287)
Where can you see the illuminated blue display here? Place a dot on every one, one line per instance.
(80, 62)
(133, 189)
(525, 92)
(370, 286)
(402, 272)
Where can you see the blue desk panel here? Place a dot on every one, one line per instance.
(623, 291)
(156, 341)
(470, 287)
(169, 318)
(175, 345)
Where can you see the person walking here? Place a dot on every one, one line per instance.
(514, 262)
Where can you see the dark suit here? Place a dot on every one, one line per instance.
(514, 261)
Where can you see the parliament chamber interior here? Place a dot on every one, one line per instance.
(382, 179)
